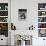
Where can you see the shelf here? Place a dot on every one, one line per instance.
(42, 19)
(41, 10)
(3, 22)
(41, 22)
(3, 10)
(42, 16)
(4, 19)
(3, 16)
(41, 28)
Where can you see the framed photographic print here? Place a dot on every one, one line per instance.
(22, 13)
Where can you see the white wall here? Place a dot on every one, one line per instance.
(31, 6)
(32, 14)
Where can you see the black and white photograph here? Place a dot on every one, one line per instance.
(41, 6)
(22, 14)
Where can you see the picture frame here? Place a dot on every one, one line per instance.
(22, 13)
